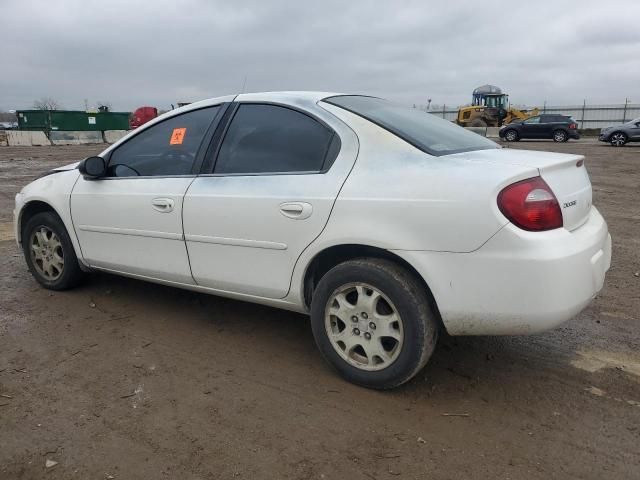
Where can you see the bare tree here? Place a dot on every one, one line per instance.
(46, 103)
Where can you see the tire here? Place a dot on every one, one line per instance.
(388, 360)
(478, 122)
(511, 135)
(49, 252)
(560, 136)
(618, 139)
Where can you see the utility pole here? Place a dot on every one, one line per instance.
(584, 106)
(624, 116)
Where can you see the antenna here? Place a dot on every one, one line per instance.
(244, 83)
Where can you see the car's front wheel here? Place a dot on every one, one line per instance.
(618, 139)
(49, 252)
(511, 136)
(372, 320)
(560, 136)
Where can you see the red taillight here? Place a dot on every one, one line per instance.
(530, 205)
(573, 126)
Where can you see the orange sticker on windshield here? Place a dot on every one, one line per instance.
(177, 136)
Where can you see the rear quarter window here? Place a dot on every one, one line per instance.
(423, 130)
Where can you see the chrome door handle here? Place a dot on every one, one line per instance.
(296, 210)
(163, 205)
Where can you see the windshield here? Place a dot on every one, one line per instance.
(493, 101)
(423, 130)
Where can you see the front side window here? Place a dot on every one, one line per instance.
(423, 130)
(167, 148)
(274, 139)
(532, 120)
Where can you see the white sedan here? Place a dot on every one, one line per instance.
(384, 223)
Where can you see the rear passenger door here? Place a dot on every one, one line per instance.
(549, 123)
(277, 173)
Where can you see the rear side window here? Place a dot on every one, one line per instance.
(274, 139)
(553, 118)
(167, 148)
(423, 130)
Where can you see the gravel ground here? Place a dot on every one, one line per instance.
(125, 379)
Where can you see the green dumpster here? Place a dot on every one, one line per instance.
(70, 120)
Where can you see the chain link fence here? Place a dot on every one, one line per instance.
(586, 115)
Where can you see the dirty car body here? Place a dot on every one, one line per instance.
(383, 222)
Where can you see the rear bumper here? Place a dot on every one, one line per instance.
(574, 134)
(518, 282)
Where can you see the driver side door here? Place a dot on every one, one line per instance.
(531, 128)
(131, 220)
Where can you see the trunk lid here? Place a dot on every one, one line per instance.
(570, 183)
(566, 174)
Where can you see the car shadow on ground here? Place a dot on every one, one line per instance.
(187, 319)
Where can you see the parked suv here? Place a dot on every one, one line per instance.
(618, 135)
(560, 128)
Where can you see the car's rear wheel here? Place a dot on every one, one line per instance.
(618, 139)
(373, 322)
(511, 136)
(49, 252)
(560, 136)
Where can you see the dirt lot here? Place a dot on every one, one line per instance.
(123, 379)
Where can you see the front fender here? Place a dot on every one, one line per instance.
(55, 191)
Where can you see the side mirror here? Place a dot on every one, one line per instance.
(92, 168)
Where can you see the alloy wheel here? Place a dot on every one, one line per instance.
(511, 136)
(618, 139)
(46, 253)
(363, 326)
(559, 136)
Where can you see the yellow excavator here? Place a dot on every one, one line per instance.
(490, 108)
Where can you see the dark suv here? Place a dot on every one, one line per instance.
(560, 128)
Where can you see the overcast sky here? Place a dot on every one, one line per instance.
(158, 52)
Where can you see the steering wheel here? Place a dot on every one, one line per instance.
(178, 156)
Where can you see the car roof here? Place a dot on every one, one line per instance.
(285, 97)
(300, 98)
(305, 99)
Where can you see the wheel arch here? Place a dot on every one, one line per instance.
(610, 136)
(511, 129)
(329, 257)
(28, 210)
